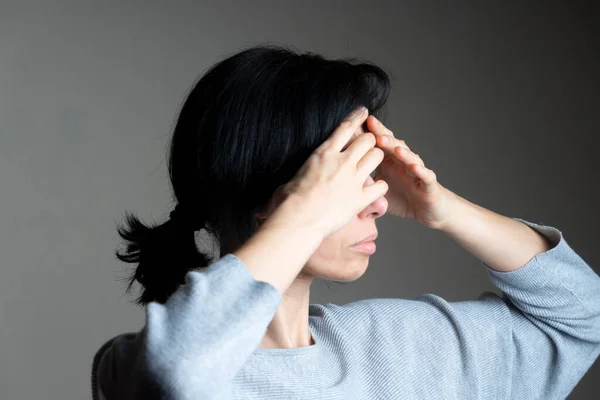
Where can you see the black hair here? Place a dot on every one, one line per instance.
(246, 127)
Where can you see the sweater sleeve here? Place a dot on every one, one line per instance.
(534, 341)
(192, 346)
(554, 306)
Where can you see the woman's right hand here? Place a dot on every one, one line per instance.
(329, 188)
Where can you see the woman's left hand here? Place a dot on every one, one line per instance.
(414, 191)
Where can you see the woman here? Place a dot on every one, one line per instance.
(272, 154)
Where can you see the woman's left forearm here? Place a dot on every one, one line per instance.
(500, 242)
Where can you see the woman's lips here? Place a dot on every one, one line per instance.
(365, 247)
(369, 238)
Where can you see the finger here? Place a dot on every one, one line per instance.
(375, 191)
(381, 130)
(420, 160)
(407, 156)
(389, 143)
(369, 162)
(426, 175)
(344, 132)
(360, 146)
(377, 127)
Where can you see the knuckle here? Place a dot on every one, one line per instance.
(367, 137)
(318, 153)
(320, 157)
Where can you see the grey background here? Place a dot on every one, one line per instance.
(500, 99)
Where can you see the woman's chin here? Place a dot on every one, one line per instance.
(351, 271)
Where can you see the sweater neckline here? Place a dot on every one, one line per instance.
(295, 351)
(300, 364)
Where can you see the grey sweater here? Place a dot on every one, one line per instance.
(535, 341)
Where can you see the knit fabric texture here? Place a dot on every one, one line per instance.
(533, 341)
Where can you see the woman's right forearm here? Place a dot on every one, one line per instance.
(216, 319)
(278, 251)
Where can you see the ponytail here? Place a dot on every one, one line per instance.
(245, 128)
(164, 254)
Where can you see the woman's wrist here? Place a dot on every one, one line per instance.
(280, 248)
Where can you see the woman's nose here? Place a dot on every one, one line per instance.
(377, 208)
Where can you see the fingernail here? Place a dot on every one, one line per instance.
(386, 140)
(357, 113)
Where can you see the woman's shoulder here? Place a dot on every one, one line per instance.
(385, 313)
(113, 352)
(119, 344)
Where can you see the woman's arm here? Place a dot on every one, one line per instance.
(192, 346)
(504, 244)
(285, 235)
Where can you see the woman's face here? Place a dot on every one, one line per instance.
(335, 259)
